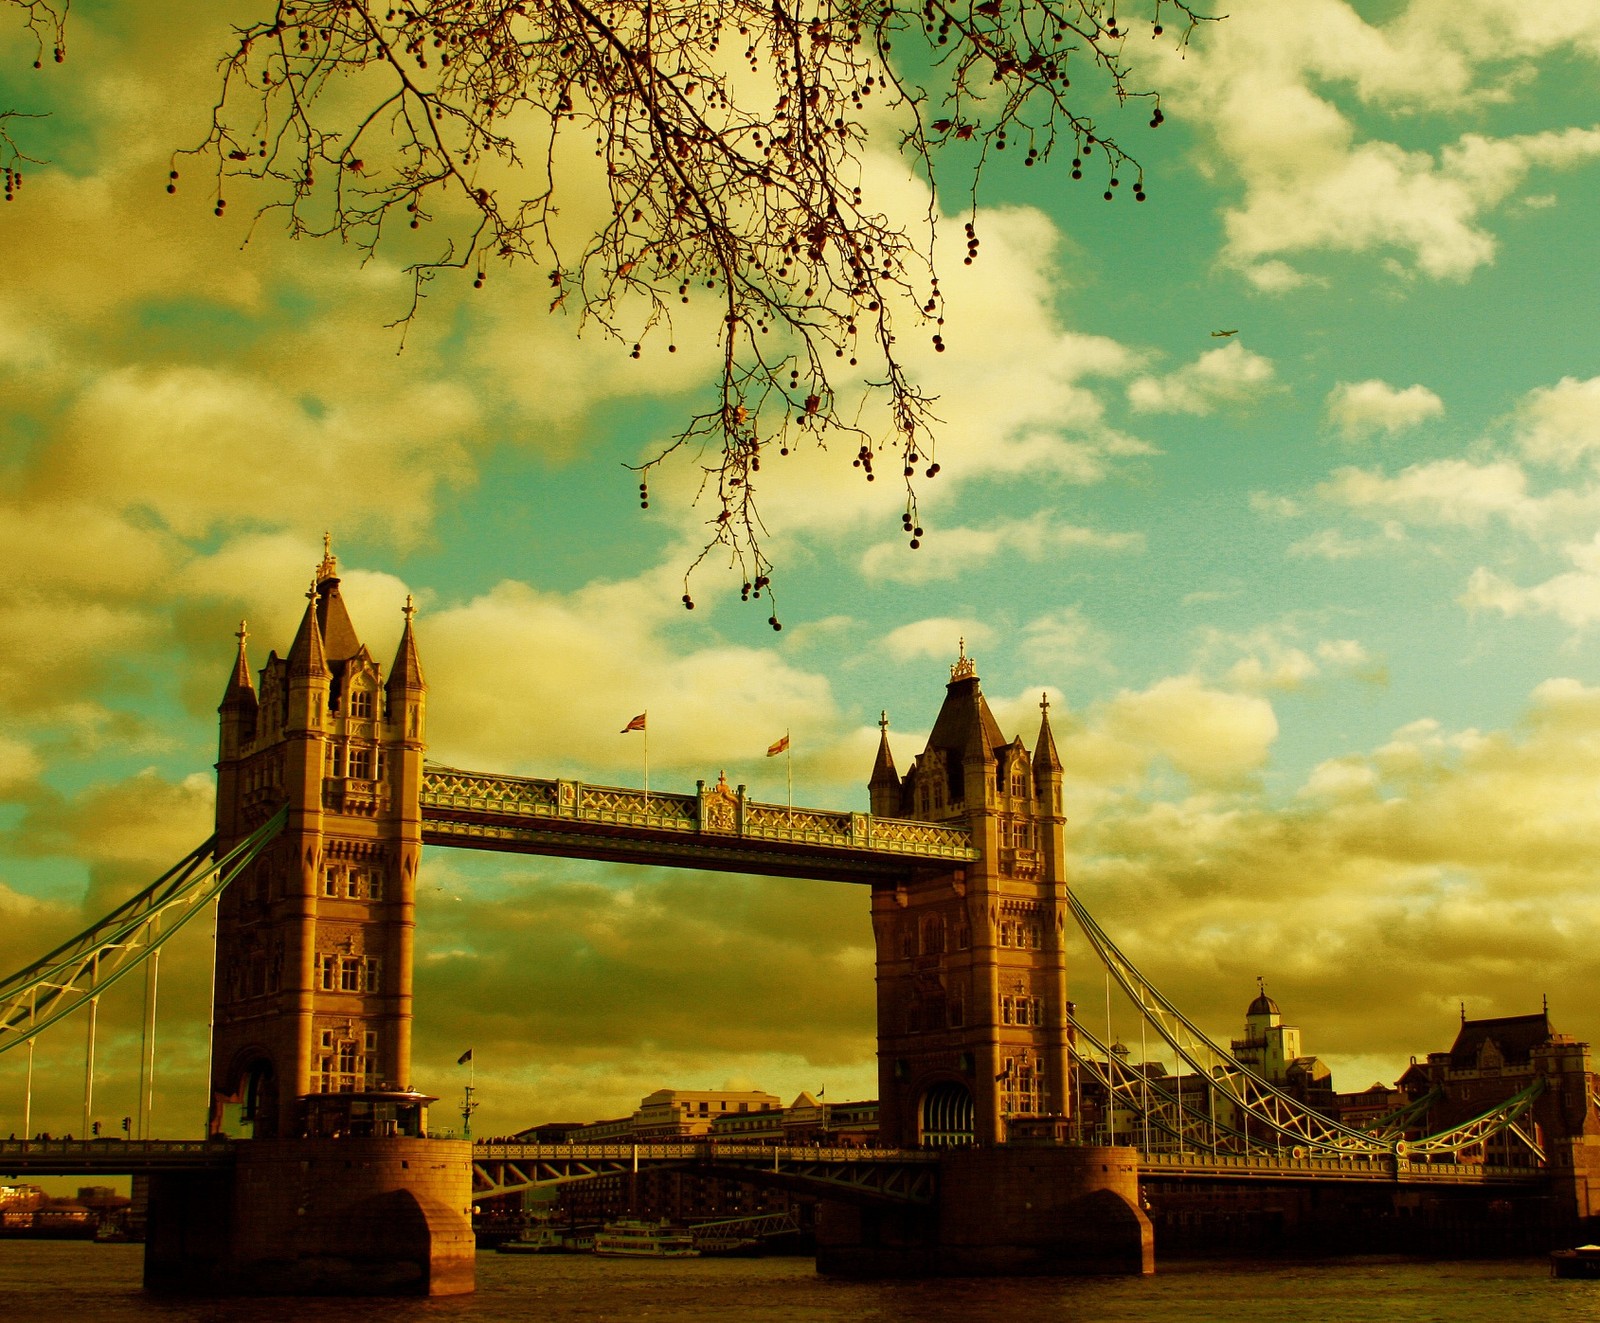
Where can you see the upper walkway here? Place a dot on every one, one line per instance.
(715, 828)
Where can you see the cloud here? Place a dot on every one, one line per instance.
(1210, 735)
(1560, 424)
(950, 552)
(1573, 597)
(1231, 375)
(1278, 98)
(1442, 493)
(1359, 409)
(1281, 657)
(1334, 544)
(934, 637)
(1061, 639)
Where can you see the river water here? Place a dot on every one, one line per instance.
(45, 1281)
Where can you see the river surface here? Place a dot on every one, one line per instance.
(45, 1281)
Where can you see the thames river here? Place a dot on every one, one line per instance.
(42, 1281)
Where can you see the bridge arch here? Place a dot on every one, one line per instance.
(946, 1117)
(249, 1105)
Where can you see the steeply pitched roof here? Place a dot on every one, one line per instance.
(965, 726)
(241, 690)
(883, 772)
(339, 641)
(1515, 1036)
(1045, 757)
(306, 656)
(406, 673)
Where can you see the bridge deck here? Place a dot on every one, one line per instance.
(897, 1174)
(111, 1157)
(713, 829)
(1401, 1171)
(863, 1174)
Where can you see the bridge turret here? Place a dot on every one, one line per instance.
(884, 787)
(238, 710)
(971, 974)
(313, 990)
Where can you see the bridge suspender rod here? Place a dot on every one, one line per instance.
(88, 1054)
(27, 1101)
(1281, 1114)
(147, 1043)
(123, 940)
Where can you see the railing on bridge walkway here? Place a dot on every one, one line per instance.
(874, 1174)
(1375, 1168)
(512, 812)
(111, 1157)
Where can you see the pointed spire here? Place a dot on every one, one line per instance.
(964, 668)
(883, 770)
(239, 683)
(339, 640)
(1045, 757)
(305, 653)
(406, 673)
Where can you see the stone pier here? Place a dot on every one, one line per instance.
(317, 1217)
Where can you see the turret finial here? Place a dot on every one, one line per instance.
(408, 610)
(329, 569)
(883, 721)
(242, 633)
(1044, 703)
(311, 592)
(1261, 985)
(964, 665)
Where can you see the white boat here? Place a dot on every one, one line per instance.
(631, 1238)
(537, 1238)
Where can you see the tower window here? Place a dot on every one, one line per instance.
(361, 764)
(350, 974)
(361, 702)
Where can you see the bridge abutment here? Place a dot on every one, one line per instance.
(317, 1217)
(1012, 1210)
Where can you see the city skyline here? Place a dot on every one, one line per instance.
(1313, 600)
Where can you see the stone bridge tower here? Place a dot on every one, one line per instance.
(972, 987)
(314, 951)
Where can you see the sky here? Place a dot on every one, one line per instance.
(1315, 603)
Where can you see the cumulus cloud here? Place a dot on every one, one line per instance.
(1560, 424)
(1573, 596)
(1211, 735)
(1360, 408)
(1278, 97)
(935, 638)
(1382, 872)
(1230, 375)
(1442, 492)
(950, 552)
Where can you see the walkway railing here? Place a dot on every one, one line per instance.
(713, 812)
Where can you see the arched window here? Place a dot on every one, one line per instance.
(946, 1115)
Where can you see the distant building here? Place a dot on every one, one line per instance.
(1271, 1049)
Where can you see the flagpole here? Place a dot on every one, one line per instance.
(788, 767)
(647, 762)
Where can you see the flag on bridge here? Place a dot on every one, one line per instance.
(637, 723)
(464, 1057)
(773, 750)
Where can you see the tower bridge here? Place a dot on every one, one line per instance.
(318, 1174)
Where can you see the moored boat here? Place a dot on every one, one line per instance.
(1583, 1261)
(537, 1238)
(631, 1238)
